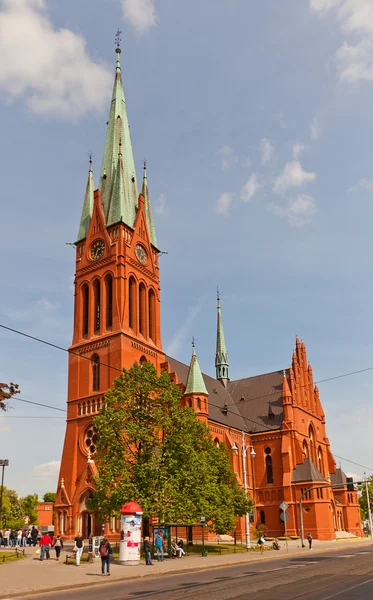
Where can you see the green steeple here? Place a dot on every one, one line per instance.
(119, 204)
(221, 356)
(85, 219)
(148, 208)
(118, 131)
(195, 383)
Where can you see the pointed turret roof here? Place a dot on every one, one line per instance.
(221, 349)
(195, 383)
(118, 130)
(148, 208)
(285, 388)
(119, 208)
(87, 205)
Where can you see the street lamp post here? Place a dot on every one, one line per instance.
(244, 473)
(3, 463)
(368, 505)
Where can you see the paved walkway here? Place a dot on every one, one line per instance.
(31, 576)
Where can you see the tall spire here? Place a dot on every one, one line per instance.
(118, 130)
(119, 205)
(221, 356)
(195, 383)
(148, 208)
(87, 205)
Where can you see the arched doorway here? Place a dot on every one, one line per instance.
(88, 521)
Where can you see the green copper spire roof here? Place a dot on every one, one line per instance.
(119, 204)
(221, 356)
(87, 206)
(148, 208)
(195, 383)
(118, 130)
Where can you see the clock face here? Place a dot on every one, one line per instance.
(141, 254)
(97, 249)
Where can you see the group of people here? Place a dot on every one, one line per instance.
(46, 543)
(21, 537)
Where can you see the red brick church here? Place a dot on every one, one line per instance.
(117, 322)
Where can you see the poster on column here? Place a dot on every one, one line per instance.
(130, 539)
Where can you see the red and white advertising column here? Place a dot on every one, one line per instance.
(130, 534)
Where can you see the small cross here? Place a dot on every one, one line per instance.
(118, 39)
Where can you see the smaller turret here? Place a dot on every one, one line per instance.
(221, 356)
(196, 394)
(87, 205)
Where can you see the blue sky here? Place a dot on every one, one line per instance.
(255, 119)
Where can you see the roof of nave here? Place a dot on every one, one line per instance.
(218, 397)
(339, 478)
(307, 471)
(254, 404)
(258, 399)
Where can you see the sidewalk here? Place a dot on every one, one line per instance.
(30, 575)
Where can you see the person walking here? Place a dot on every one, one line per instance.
(19, 537)
(159, 547)
(45, 546)
(261, 544)
(148, 551)
(309, 538)
(23, 538)
(58, 546)
(105, 551)
(34, 535)
(78, 548)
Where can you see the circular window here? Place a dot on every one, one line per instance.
(90, 439)
(267, 450)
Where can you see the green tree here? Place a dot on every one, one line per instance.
(7, 392)
(29, 507)
(11, 510)
(49, 497)
(153, 451)
(363, 498)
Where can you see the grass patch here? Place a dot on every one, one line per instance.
(6, 557)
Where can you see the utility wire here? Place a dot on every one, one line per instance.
(39, 404)
(22, 333)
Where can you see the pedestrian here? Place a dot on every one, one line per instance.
(23, 537)
(34, 535)
(6, 537)
(309, 538)
(105, 551)
(12, 538)
(45, 546)
(19, 537)
(147, 550)
(180, 549)
(58, 546)
(78, 548)
(29, 538)
(261, 544)
(159, 546)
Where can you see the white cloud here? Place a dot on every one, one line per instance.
(365, 184)
(141, 14)
(47, 470)
(223, 203)
(228, 157)
(250, 188)
(266, 151)
(175, 344)
(50, 69)
(354, 60)
(160, 208)
(298, 211)
(316, 129)
(297, 151)
(293, 175)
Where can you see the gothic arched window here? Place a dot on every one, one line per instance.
(268, 461)
(109, 301)
(85, 309)
(142, 309)
(132, 303)
(311, 437)
(96, 372)
(320, 462)
(198, 403)
(97, 299)
(151, 310)
(262, 517)
(142, 360)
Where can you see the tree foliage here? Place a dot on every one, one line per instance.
(157, 453)
(49, 497)
(15, 509)
(7, 392)
(363, 498)
(29, 506)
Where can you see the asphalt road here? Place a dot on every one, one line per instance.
(343, 575)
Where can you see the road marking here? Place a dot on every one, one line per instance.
(347, 555)
(347, 590)
(364, 552)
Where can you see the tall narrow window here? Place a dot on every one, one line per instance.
(269, 469)
(151, 309)
(97, 313)
(109, 301)
(320, 462)
(142, 309)
(96, 372)
(262, 517)
(311, 437)
(85, 307)
(132, 303)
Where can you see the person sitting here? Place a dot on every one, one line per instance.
(276, 545)
(174, 549)
(180, 549)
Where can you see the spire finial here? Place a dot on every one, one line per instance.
(284, 373)
(90, 161)
(193, 345)
(144, 168)
(118, 40)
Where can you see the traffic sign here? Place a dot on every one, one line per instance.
(284, 516)
(284, 506)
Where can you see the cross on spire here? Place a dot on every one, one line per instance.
(118, 39)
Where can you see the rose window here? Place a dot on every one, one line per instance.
(91, 439)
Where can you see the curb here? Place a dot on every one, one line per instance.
(32, 591)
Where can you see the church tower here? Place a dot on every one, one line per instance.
(116, 307)
(221, 356)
